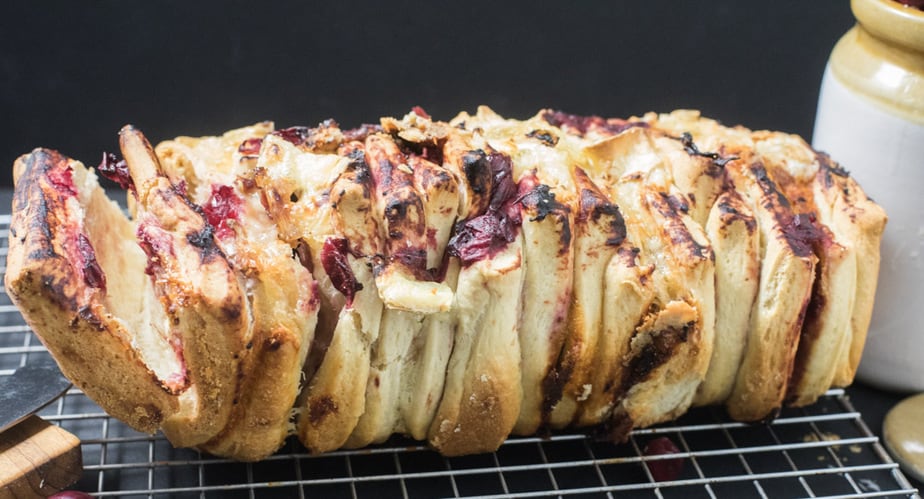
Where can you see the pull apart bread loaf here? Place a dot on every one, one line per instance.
(453, 282)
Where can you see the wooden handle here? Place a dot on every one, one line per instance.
(37, 459)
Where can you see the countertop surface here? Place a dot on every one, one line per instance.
(874, 404)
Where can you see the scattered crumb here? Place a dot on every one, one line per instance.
(855, 448)
(585, 392)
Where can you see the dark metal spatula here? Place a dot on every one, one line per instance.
(27, 390)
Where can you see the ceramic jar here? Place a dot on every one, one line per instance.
(871, 120)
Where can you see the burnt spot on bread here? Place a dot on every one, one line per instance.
(478, 174)
(799, 231)
(772, 194)
(148, 416)
(404, 211)
(593, 205)
(629, 256)
(830, 166)
(717, 159)
(671, 208)
(539, 200)
(86, 314)
(730, 206)
(231, 311)
(272, 344)
(320, 408)
(553, 388)
(204, 240)
(546, 137)
(434, 178)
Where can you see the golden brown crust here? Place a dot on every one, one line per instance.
(601, 271)
(482, 394)
(599, 229)
(91, 345)
(787, 273)
(859, 222)
(198, 290)
(732, 229)
(281, 293)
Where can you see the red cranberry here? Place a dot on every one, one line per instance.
(70, 494)
(663, 470)
(92, 273)
(116, 170)
(295, 134)
(223, 205)
(335, 263)
(485, 235)
(420, 112)
(917, 4)
(63, 180)
(250, 147)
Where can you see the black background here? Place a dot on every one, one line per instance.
(72, 73)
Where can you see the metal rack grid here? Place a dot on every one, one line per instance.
(825, 450)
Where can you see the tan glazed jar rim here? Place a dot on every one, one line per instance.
(882, 58)
(892, 21)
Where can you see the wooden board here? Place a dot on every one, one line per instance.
(37, 459)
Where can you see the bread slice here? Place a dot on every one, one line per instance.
(827, 333)
(787, 266)
(197, 289)
(296, 188)
(482, 391)
(859, 223)
(547, 197)
(425, 366)
(680, 324)
(76, 273)
(732, 230)
(420, 215)
(280, 290)
(402, 273)
(599, 229)
(787, 274)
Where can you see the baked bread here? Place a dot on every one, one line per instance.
(455, 282)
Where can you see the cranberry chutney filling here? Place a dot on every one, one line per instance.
(77, 245)
(484, 235)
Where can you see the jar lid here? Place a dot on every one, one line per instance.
(892, 21)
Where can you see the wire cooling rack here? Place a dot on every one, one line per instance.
(825, 450)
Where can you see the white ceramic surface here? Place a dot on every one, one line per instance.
(885, 153)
